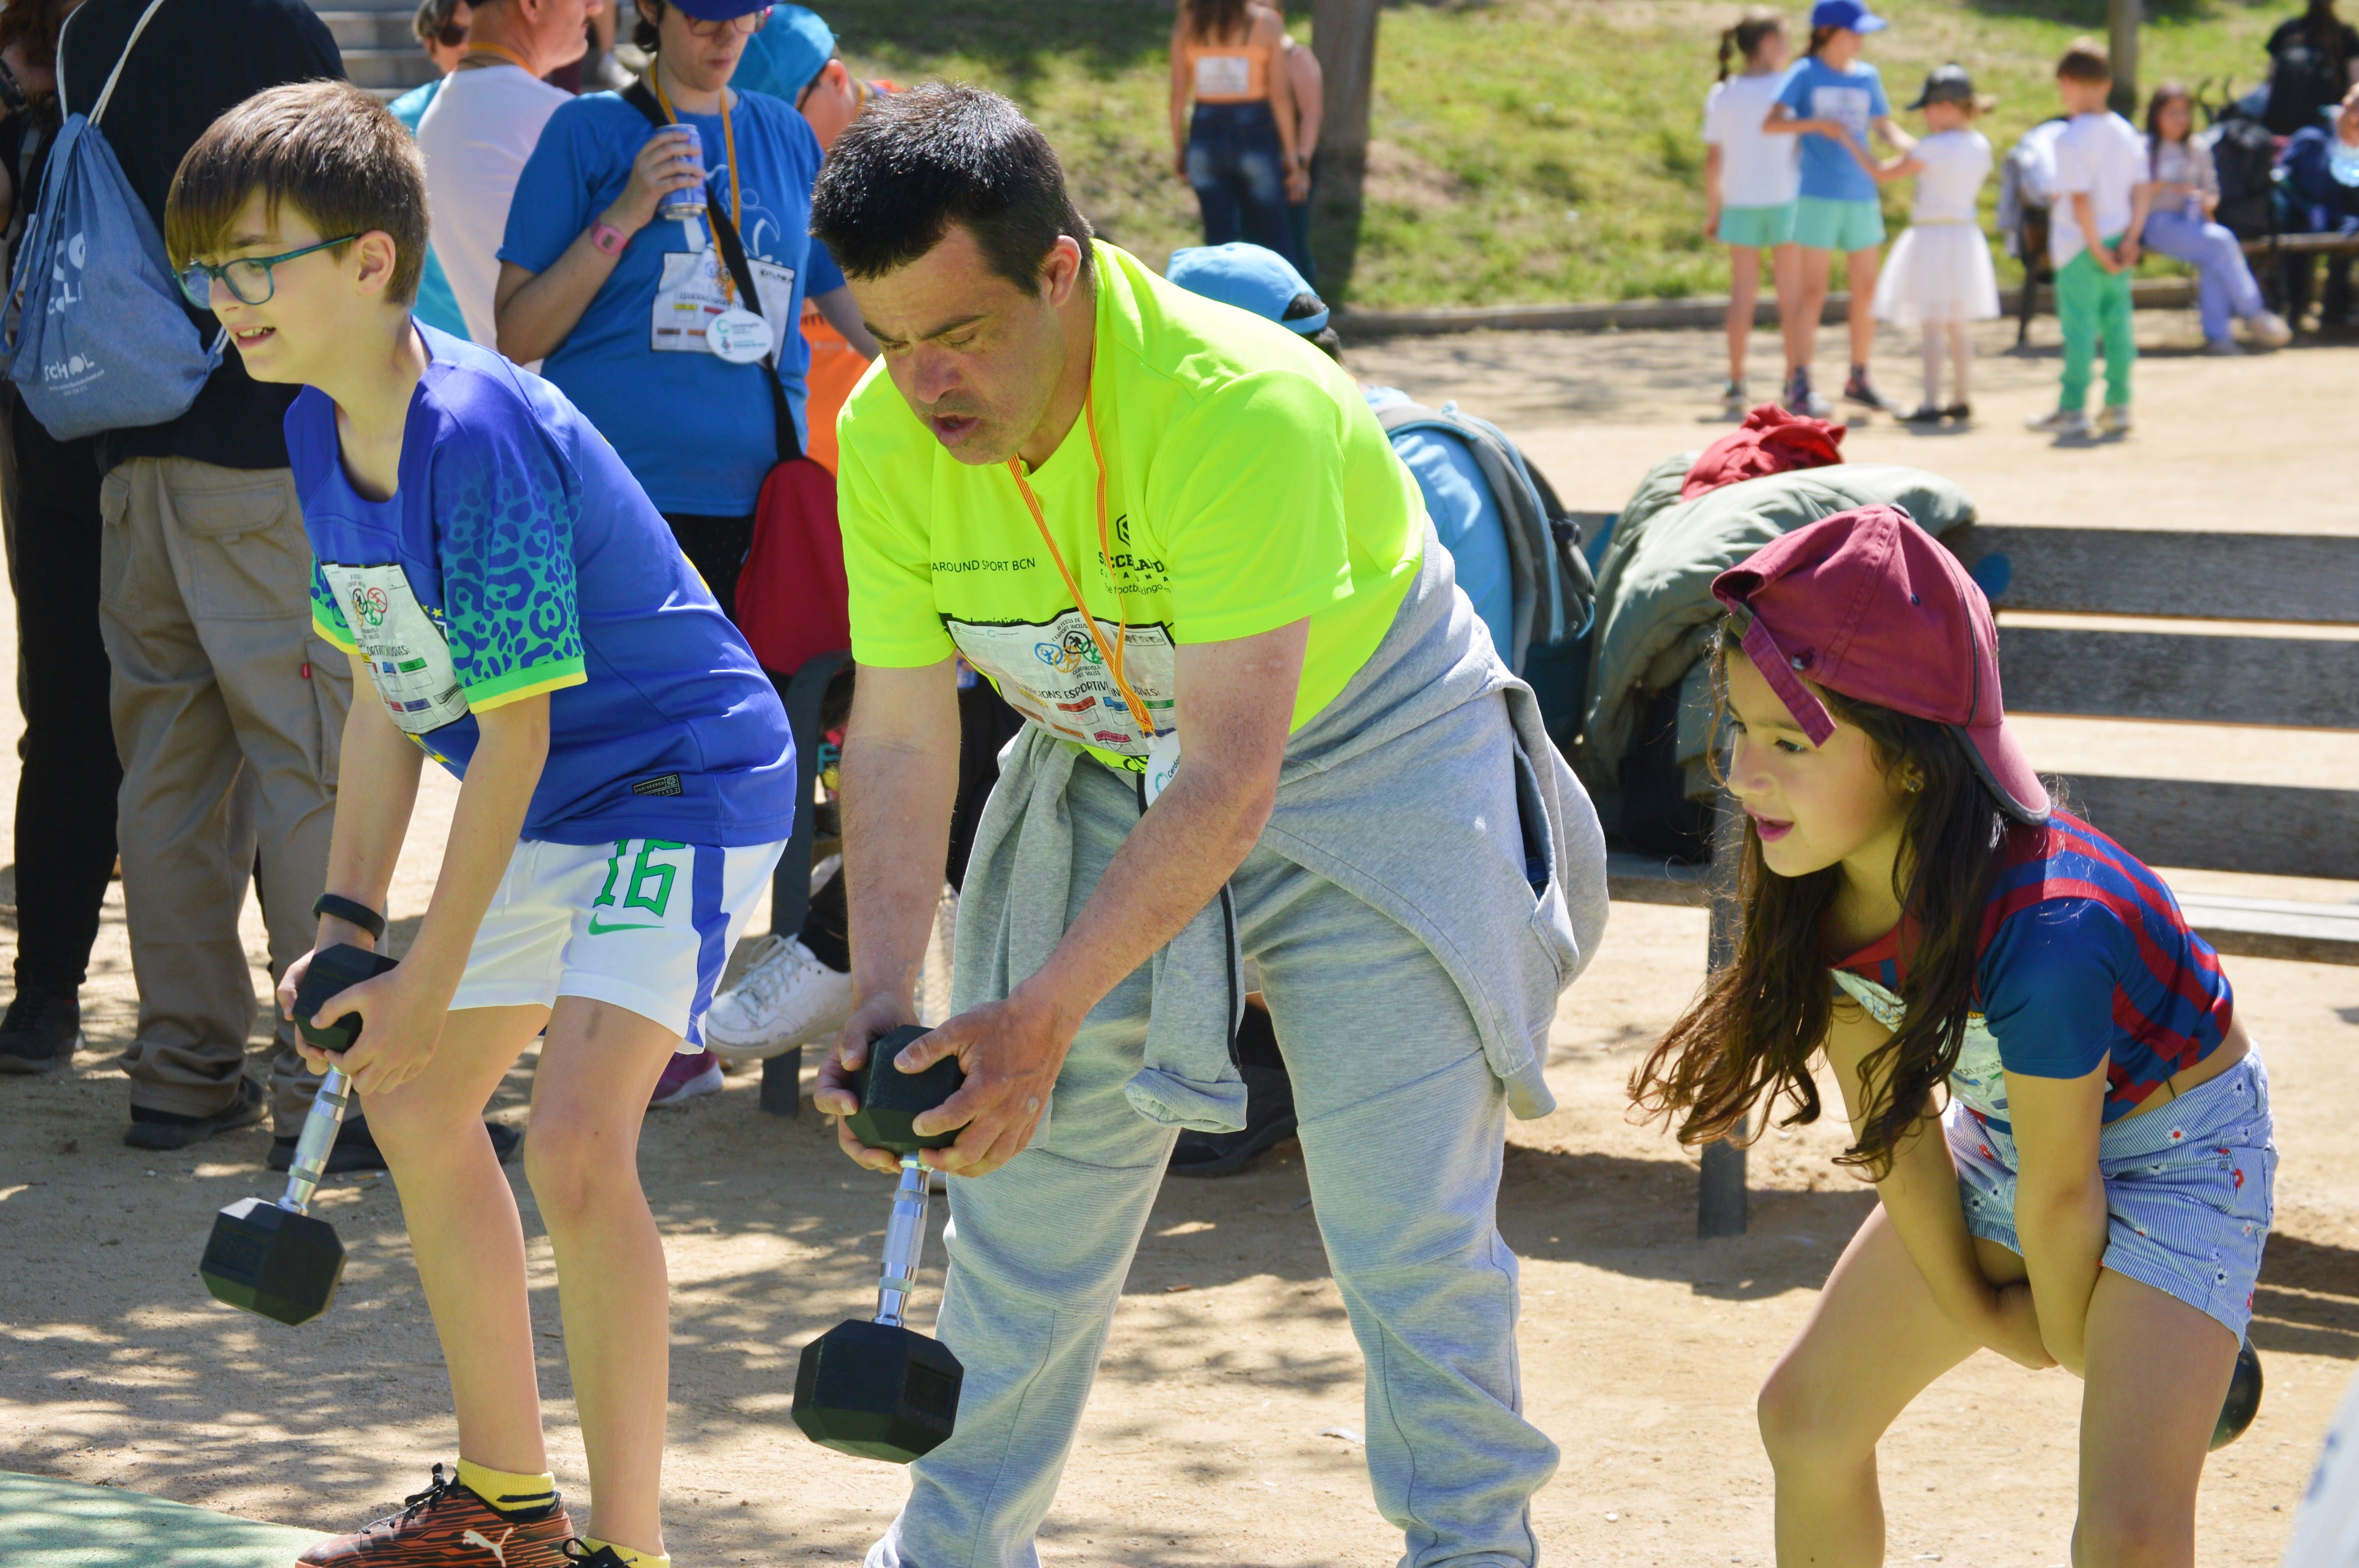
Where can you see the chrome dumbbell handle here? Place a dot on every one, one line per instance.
(319, 1136)
(905, 1243)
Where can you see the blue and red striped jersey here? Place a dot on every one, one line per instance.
(2085, 958)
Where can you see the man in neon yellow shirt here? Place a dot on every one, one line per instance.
(1267, 750)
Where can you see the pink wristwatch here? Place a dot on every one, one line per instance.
(609, 239)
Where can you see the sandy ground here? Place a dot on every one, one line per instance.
(1231, 1365)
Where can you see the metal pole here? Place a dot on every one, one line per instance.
(905, 1244)
(1720, 1198)
(319, 1136)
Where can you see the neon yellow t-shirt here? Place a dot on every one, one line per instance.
(1247, 487)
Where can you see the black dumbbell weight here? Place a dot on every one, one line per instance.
(880, 1389)
(276, 1259)
(2244, 1400)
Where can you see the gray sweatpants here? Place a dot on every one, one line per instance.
(1403, 1125)
(228, 714)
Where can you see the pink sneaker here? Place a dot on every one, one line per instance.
(686, 1076)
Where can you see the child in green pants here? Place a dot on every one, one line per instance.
(2101, 200)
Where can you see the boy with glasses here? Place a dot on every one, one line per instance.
(519, 613)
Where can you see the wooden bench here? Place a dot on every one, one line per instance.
(2090, 669)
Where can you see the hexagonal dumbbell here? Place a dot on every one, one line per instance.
(880, 1389)
(276, 1259)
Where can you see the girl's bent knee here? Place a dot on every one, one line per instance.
(1800, 1431)
(577, 1169)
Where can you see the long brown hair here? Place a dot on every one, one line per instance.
(2165, 95)
(34, 23)
(1748, 1038)
(1213, 21)
(1744, 41)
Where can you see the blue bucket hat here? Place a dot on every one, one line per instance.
(792, 45)
(1848, 14)
(1251, 277)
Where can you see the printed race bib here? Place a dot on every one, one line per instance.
(408, 658)
(1052, 674)
(1850, 107)
(689, 297)
(1224, 76)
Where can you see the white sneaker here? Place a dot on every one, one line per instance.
(2270, 330)
(2115, 420)
(785, 999)
(2060, 422)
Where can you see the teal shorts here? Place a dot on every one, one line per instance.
(1759, 227)
(1825, 224)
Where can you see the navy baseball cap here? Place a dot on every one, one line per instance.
(1251, 277)
(719, 10)
(1848, 14)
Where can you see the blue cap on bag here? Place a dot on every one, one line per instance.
(1251, 277)
(1848, 14)
(792, 45)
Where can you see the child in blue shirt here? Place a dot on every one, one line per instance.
(1832, 99)
(523, 617)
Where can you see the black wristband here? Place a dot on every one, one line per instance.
(352, 912)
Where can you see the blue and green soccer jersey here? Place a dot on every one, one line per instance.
(518, 556)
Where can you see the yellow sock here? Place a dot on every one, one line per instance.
(630, 1559)
(509, 1491)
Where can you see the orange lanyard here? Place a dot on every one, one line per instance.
(508, 54)
(1113, 657)
(729, 141)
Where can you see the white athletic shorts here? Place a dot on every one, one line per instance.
(645, 924)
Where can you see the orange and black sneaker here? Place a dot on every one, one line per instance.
(448, 1526)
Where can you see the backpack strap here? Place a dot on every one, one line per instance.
(106, 92)
(741, 272)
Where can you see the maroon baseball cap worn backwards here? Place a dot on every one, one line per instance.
(1868, 604)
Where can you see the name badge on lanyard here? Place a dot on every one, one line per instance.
(1162, 764)
(738, 336)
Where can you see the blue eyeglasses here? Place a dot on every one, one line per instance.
(248, 277)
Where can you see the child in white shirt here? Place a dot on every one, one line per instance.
(1939, 276)
(2101, 194)
(1750, 181)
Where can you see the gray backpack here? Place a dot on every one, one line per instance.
(1553, 591)
(97, 337)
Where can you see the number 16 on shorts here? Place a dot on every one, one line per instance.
(637, 893)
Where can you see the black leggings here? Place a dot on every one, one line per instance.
(716, 547)
(65, 796)
(985, 724)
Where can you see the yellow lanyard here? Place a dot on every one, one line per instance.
(1113, 657)
(729, 142)
(508, 54)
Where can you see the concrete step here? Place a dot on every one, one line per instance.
(371, 29)
(394, 69)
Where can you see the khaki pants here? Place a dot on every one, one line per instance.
(228, 713)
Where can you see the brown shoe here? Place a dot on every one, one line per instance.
(448, 1526)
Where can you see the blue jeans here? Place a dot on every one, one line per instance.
(1238, 170)
(2225, 289)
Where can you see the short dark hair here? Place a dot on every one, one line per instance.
(917, 162)
(2085, 60)
(327, 150)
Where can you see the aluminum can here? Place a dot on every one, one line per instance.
(688, 202)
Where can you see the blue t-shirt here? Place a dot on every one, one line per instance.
(2085, 958)
(1817, 91)
(697, 431)
(436, 305)
(1465, 517)
(519, 557)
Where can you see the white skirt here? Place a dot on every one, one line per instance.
(1938, 272)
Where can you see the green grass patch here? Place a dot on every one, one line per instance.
(1524, 150)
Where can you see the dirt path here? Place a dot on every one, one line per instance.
(1231, 1357)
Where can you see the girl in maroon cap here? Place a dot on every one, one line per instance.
(1972, 961)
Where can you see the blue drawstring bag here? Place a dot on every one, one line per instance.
(97, 337)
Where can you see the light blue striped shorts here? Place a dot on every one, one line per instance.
(2190, 1189)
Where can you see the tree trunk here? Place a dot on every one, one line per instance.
(1343, 37)
(2122, 19)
